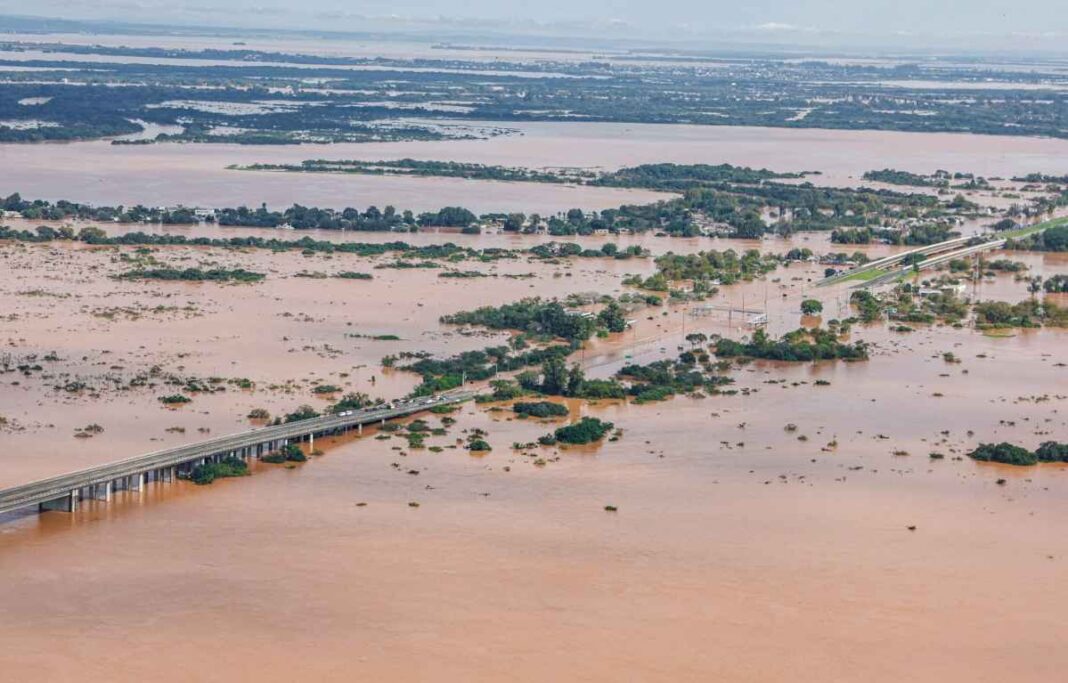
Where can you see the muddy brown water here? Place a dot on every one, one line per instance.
(197, 174)
(738, 551)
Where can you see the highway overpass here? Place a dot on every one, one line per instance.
(932, 263)
(894, 259)
(883, 269)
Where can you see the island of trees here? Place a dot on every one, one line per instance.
(1011, 454)
(805, 344)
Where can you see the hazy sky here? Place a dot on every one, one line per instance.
(911, 21)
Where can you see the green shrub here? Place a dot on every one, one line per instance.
(541, 409)
(1051, 451)
(209, 472)
(587, 430)
(1005, 453)
(292, 453)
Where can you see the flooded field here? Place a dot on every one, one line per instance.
(396, 49)
(740, 550)
(812, 522)
(197, 174)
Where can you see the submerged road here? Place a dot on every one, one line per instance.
(65, 491)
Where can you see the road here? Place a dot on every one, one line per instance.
(65, 490)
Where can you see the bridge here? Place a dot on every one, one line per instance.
(928, 264)
(885, 269)
(66, 491)
(890, 261)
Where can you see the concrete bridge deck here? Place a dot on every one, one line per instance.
(65, 491)
(894, 259)
(939, 253)
(941, 259)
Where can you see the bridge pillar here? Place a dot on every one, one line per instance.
(359, 429)
(137, 482)
(311, 442)
(67, 503)
(100, 491)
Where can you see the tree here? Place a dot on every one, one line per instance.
(351, 401)
(1034, 285)
(811, 307)
(513, 222)
(575, 380)
(1004, 453)
(611, 318)
(587, 430)
(696, 338)
(1055, 238)
(749, 226)
(91, 233)
(554, 376)
(304, 412)
(448, 217)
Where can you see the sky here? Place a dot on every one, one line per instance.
(1003, 23)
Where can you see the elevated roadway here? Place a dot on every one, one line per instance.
(65, 491)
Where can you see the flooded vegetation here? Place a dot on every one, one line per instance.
(691, 455)
(227, 95)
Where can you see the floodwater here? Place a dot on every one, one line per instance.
(61, 57)
(197, 174)
(392, 49)
(739, 551)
